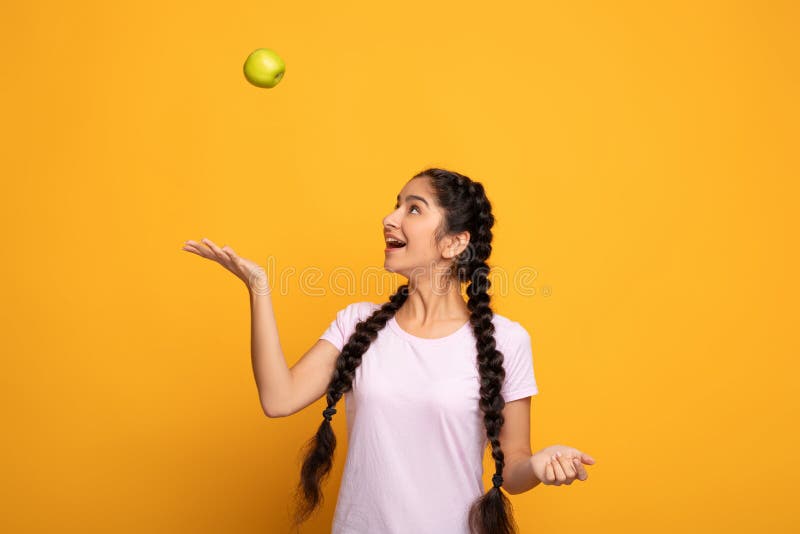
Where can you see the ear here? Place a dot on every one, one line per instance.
(456, 245)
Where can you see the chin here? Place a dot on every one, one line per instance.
(392, 270)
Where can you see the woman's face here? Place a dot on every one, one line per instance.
(414, 221)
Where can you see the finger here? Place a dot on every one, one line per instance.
(200, 250)
(218, 251)
(567, 465)
(234, 259)
(585, 458)
(229, 251)
(560, 476)
(582, 474)
(550, 472)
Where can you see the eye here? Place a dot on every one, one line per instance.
(413, 207)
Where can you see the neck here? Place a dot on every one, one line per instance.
(432, 300)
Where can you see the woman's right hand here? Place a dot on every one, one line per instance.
(249, 272)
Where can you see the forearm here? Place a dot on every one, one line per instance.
(518, 476)
(272, 375)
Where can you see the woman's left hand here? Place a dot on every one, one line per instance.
(559, 464)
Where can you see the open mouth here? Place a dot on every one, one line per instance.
(393, 243)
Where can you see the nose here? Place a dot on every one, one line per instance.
(390, 220)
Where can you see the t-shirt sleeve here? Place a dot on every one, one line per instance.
(343, 326)
(520, 380)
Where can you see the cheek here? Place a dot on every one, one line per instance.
(419, 233)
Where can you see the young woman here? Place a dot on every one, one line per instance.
(428, 379)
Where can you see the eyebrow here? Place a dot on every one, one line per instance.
(414, 196)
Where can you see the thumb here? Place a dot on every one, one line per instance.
(585, 458)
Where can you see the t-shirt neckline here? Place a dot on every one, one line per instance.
(427, 340)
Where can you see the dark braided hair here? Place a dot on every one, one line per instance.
(466, 208)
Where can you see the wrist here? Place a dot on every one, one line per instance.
(257, 284)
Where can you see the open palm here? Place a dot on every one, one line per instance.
(248, 271)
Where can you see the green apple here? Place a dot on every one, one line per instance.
(264, 68)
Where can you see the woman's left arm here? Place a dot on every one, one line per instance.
(554, 465)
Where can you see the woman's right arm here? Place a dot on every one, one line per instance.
(285, 391)
(273, 377)
(282, 391)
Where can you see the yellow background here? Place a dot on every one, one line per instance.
(641, 157)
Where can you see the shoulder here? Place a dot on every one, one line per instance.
(358, 311)
(509, 332)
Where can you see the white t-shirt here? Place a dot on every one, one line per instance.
(416, 436)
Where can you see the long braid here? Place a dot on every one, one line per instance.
(320, 448)
(469, 209)
(490, 513)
